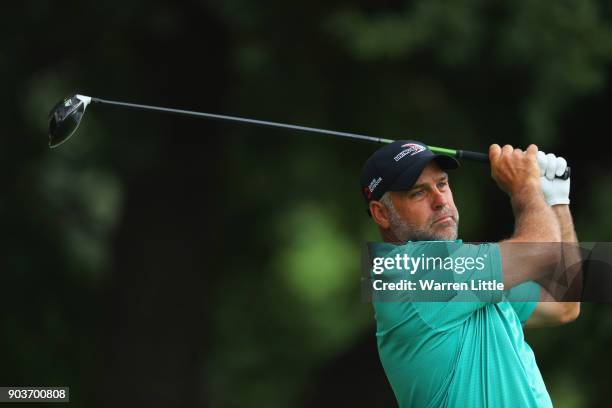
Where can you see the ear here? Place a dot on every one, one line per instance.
(380, 214)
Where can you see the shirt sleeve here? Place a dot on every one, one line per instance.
(524, 298)
(484, 266)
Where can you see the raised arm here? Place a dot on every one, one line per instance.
(550, 311)
(517, 173)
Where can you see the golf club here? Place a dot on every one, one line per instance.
(66, 115)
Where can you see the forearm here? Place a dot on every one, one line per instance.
(535, 221)
(517, 173)
(566, 224)
(572, 262)
(559, 284)
(566, 283)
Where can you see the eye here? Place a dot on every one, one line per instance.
(442, 185)
(417, 194)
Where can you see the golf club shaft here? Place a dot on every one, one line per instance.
(242, 120)
(460, 154)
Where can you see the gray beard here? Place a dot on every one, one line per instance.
(405, 231)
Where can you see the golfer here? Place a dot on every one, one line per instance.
(468, 353)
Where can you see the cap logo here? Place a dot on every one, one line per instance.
(409, 149)
(374, 183)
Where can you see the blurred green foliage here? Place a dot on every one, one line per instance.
(208, 264)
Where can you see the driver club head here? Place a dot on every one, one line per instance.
(65, 117)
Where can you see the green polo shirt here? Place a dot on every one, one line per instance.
(456, 348)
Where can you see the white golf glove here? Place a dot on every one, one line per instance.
(556, 190)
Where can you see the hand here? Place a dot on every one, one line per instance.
(515, 171)
(556, 191)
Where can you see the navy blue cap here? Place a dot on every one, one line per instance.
(397, 166)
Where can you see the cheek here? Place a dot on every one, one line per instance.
(449, 198)
(416, 213)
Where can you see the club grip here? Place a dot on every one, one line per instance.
(481, 157)
(466, 154)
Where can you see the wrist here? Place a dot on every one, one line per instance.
(558, 202)
(560, 209)
(528, 199)
(526, 189)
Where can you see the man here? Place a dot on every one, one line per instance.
(469, 353)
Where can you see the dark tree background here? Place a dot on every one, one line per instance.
(163, 261)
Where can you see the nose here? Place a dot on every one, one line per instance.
(438, 200)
